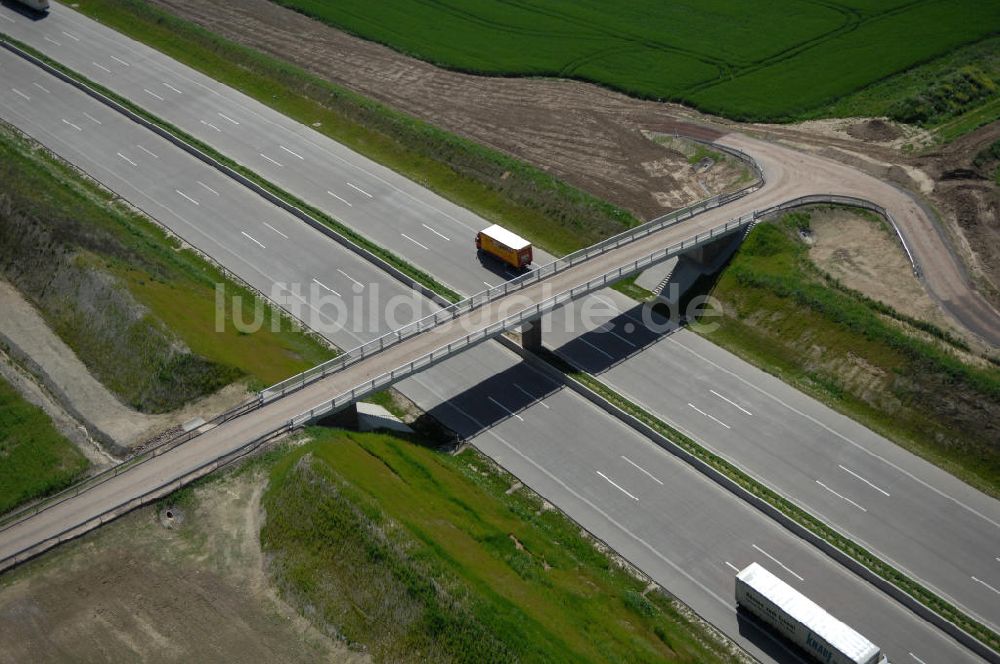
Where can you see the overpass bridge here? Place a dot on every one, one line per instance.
(341, 382)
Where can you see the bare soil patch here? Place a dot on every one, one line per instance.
(864, 254)
(136, 591)
(56, 367)
(592, 137)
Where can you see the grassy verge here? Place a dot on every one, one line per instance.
(137, 309)
(35, 459)
(804, 518)
(951, 95)
(904, 378)
(415, 555)
(534, 204)
(414, 273)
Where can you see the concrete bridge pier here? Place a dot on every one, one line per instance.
(531, 335)
(705, 259)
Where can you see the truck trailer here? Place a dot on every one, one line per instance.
(37, 5)
(802, 621)
(499, 242)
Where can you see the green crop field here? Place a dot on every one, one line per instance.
(414, 555)
(748, 60)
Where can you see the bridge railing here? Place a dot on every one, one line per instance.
(490, 294)
(520, 318)
(149, 496)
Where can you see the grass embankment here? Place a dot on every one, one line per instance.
(904, 378)
(420, 556)
(137, 310)
(951, 95)
(35, 459)
(551, 213)
(744, 60)
(818, 527)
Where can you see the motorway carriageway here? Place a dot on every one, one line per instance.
(911, 513)
(502, 406)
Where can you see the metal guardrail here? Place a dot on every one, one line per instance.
(423, 362)
(17, 516)
(515, 320)
(852, 201)
(490, 294)
(129, 505)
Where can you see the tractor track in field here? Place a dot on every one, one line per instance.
(592, 137)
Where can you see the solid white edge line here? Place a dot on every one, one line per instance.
(733, 403)
(778, 562)
(841, 496)
(642, 470)
(836, 433)
(612, 483)
(275, 230)
(848, 470)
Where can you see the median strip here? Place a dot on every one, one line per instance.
(946, 616)
(383, 258)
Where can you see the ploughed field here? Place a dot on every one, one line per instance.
(751, 60)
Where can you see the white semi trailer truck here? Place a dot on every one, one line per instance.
(802, 621)
(37, 5)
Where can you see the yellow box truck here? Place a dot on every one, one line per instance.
(510, 248)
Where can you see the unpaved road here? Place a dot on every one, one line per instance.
(589, 136)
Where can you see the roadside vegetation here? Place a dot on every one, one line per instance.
(417, 555)
(35, 459)
(747, 60)
(952, 95)
(136, 308)
(536, 205)
(909, 380)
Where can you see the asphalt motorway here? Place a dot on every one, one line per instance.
(931, 525)
(670, 521)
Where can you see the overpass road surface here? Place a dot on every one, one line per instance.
(399, 214)
(528, 382)
(674, 524)
(931, 525)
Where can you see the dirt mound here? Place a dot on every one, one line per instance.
(875, 131)
(586, 135)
